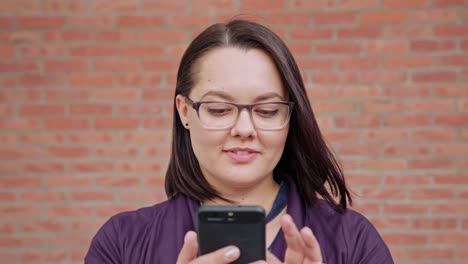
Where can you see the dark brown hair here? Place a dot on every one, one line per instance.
(306, 157)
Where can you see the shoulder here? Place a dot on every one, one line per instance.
(131, 227)
(350, 231)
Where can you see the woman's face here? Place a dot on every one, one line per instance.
(242, 156)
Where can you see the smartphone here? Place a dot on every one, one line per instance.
(242, 226)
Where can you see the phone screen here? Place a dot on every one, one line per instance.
(242, 226)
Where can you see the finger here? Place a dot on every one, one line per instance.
(224, 255)
(189, 250)
(312, 250)
(294, 252)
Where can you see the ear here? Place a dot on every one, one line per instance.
(182, 109)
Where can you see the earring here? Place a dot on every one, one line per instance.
(186, 124)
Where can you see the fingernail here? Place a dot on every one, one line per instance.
(232, 253)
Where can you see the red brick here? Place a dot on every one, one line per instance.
(93, 50)
(6, 167)
(340, 136)
(144, 137)
(85, 80)
(58, 6)
(447, 3)
(68, 181)
(67, 152)
(338, 48)
(84, 196)
(406, 150)
(432, 77)
(451, 237)
(214, 5)
(120, 65)
(18, 67)
(357, 4)
(164, 35)
(90, 109)
(431, 253)
(430, 164)
(66, 211)
(42, 138)
(407, 4)
(34, 256)
(139, 21)
(382, 17)
(359, 32)
(310, 5)
(20, 182)
(110, 6)
(399, 179)
(382, 106)
(138, 166)
(357, 92)
(451, 90)
(91, 22)
(66, 66)
(384, 135)
(141, 109)
(7, 52)
(19, 94)
(399, 208)
(116, 35)
(75, 94)
(91, 167)
(139, 79)
(311, 34)
(428, 105)
(345, 18)
(26, 110)
(332, 106)
(390, 222)
(374, 193)
(357, 121)
(450, 30)
(121, 181)
(433, 16)
(430, 46)
(42, 167)
(160, 65)
(40, 51)
(157, 122)
(91, 137)
(6, 22)
(250, 5)
(451, 120)
(42, 80)
(87, 226)
(19, 124)
(451, 179)
(116, 151)
(19, 7)
(23, 152)
(141, 51)
(379, 77)
(384, 164)
(358, 150)
(38, 22)
(435, 223)
(452, 60)
(433, 135)
(408, 91)
(300, 19)
(406, 120)
(20, 211)
(42, 197)
(125, 94)
(408, 31)
(108, 211)
(116, 123)
(166, 5)
(161, 151)
(408, 62)
(66, 123)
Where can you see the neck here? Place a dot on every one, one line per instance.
(262, 194)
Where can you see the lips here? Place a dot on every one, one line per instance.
(241, 155)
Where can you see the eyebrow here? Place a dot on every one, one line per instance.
(227, 97)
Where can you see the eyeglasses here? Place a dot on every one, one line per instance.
(223, 115)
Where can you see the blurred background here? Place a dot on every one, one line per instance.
(86, 90)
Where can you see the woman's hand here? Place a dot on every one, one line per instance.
(302, 245)
(189, 252)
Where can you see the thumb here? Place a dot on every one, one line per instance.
(189, 250)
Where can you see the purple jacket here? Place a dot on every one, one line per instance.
(155, 234)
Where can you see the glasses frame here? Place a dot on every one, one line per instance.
(196, 106)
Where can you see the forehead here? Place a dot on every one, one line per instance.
(241, 74)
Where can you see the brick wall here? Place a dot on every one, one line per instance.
(85, 112)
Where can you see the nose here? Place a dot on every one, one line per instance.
(244, 126)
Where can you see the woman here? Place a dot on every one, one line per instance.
(244, 133)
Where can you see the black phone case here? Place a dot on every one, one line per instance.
(242, 226)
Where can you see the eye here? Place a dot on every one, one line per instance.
(217, 109)
(266, 111)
